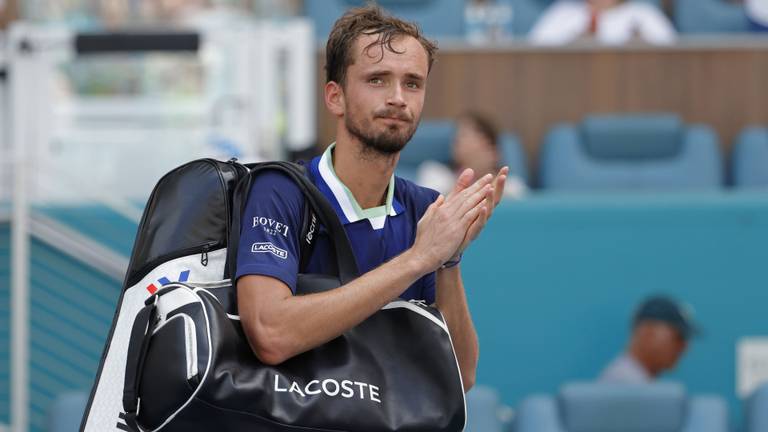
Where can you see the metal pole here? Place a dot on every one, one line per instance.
(19, 66)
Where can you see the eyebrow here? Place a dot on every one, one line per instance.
(384, 72)
(415, 76)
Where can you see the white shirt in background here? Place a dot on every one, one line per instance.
(567, 20)
(625, 370)
(757, 10)
(441, 178)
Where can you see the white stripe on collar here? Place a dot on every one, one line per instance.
(350, 207)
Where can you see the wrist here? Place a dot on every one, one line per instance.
(452, 262)
(417, 263)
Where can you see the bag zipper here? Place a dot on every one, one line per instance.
(204, 255)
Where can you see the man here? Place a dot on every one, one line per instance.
(661, 330)
(407, 240)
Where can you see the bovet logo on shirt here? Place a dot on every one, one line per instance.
(347, 389)
(266, 247)
(270, 226)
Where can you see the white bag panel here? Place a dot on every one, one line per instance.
(107, 405)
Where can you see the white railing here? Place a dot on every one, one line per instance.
(257, 101)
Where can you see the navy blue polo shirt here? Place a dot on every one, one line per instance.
(269, 243)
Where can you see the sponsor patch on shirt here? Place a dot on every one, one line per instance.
(266, 247)
(270, 226)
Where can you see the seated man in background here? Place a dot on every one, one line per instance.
(475, 146)
(660, 333)
(611, 22)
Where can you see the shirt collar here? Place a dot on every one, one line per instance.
(345, 203)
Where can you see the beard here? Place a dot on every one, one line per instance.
(387, 142)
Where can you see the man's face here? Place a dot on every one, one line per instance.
(383, 94)
(665, 343)
(472, 148)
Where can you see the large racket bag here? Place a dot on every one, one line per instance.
(177, 359)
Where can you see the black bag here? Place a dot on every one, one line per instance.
(189, 367)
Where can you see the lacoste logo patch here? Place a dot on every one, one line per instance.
(266, 247)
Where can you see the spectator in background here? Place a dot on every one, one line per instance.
(611, 22)
(757, 12)
(475, 146)
(660, 333)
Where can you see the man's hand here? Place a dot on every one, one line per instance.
(447, 222)
(492, 199)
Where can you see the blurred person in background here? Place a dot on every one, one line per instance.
(757, 12)
(475, 146)
(661, 330)
(611, 22)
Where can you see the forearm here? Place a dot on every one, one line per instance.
(452, 302)
(295, 324)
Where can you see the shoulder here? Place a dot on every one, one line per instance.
(413, 195)
(271, 187)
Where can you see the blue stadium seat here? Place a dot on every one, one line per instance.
(596, 407)
(757, 410)
(483, 408)
(749, 164)
(432, 141)
(66, 412)
(710, 16)
(437, 18)
(525, 13)
(631, 152)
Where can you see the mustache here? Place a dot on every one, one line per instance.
(393, 113)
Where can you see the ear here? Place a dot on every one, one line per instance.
(334, 98)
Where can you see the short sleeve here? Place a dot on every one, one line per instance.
(271, 222)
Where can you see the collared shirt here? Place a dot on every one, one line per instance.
(625, 370)
(269, 243)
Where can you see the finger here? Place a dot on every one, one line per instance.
(432, 208)
(459, 202)
(490, 201)
(499, 183)
(464, 181)
(475, 200)
(475, 227)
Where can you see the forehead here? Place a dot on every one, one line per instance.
(410, 55)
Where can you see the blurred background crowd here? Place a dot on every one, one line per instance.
(621, 285)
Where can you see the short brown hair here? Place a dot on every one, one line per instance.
(483, 124)
(368, 20)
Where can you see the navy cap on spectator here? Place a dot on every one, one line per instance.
(667, 310)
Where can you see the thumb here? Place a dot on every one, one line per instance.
(432, 207)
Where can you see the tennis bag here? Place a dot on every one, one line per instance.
(177, 358)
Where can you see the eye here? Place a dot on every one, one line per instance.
(376, 81)
(413, 85)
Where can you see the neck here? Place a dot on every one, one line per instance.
(364, 172)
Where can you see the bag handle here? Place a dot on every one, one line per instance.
(137, 354)
(345, 258)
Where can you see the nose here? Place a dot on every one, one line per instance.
(396, 97)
